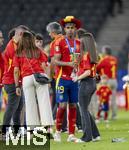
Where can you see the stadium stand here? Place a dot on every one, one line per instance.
(37, 13)
(122, 55)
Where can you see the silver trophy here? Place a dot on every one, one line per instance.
(76, 59)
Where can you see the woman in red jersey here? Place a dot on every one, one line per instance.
(29, 60)
(86, 76)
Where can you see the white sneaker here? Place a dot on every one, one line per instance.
(97, 121)
(57, 136)
(71, 138)
(106, 121)
(98, 138)
(79, 141)
(80, 131)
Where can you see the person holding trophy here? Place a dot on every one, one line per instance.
(67, 54)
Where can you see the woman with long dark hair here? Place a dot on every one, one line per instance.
(29, 60)
(86, 76)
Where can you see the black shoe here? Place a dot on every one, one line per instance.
(85, 139)
(64, 130)
(50, 136)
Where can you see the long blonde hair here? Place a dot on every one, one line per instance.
(26, 46)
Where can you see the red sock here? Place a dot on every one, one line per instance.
(59, 118)
(98, 114)
(72, 119)
(105, 115)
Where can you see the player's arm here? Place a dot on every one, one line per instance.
(58, 62)
(16, 76)
(16, 79)
(84, 75)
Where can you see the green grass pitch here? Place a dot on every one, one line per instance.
(114, 129)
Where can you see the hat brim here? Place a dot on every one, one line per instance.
(74, 20)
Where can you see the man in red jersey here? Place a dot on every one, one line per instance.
(55, 32)
(15, 102)
(108, 66)
(1, 67)
(66, 89)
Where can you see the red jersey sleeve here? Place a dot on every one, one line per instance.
(7, 62)
(43, 57)
(52, 49)
(57, 47)
(8, 55)
(54, 46)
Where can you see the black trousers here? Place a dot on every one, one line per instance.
(14, 107)
(87, 88)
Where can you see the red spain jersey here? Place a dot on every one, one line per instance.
(55, 43)
(104, 93)
(108, 66)
(28, 66)
(63, 49)
(85, 64)
(1, 67)
(8, 77)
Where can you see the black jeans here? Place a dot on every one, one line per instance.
(78, 120)
(13, 109)
(54, 104)
(87, 88)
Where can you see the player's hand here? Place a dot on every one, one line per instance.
(75, 78)
(98, 78)
(72, 64)
(18, 91)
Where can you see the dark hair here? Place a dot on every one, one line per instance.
(27, 47)
(107, 49)
(88, 44)
(11, 33)
(39, 36)
(81, 32)
(23, 27)
(33, 32)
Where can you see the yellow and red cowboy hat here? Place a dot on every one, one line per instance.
(71, 19)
